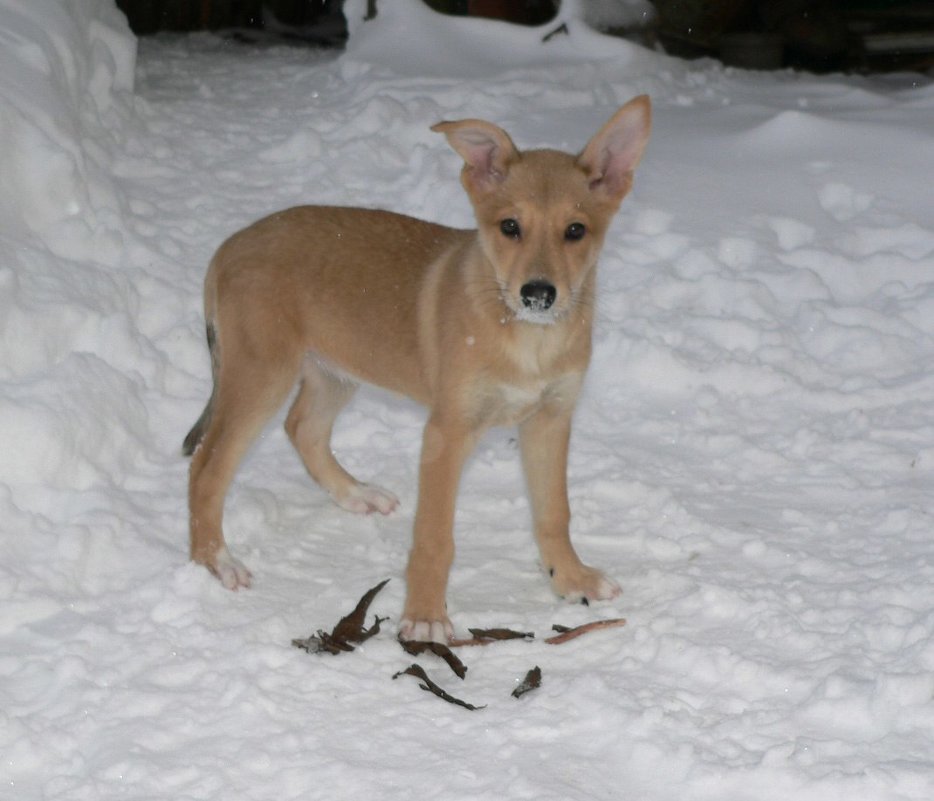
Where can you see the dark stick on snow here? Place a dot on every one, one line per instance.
(566, 634)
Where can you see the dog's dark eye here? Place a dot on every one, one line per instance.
(575, 232)
(510, 228)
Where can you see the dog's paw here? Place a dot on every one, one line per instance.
(440, 631)
(231, 572)
(364, 499)
(583, 584)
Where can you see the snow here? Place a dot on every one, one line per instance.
(752, 457)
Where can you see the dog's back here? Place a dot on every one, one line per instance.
(315, 282)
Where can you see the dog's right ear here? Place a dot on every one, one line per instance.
(486, 149)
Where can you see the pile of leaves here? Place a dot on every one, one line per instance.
(351, 631)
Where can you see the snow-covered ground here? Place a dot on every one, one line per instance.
(753, 455)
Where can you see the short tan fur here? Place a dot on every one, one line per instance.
(485, 327)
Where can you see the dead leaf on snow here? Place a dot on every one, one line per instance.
(532, 681)
(349, 629)
(429, 686)
(416, 648)
(487, 636)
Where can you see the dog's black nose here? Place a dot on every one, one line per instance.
(538, 295)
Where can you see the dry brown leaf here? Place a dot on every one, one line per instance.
(487, 636)
(532, 681)
(349, 629)
(416, 648)
(429, 686)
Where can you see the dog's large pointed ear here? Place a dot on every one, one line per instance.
(614, 152)
(486, 149)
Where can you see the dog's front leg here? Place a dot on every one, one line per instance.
(544, 440)
(445, 446)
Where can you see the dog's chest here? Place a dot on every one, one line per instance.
(507, 403)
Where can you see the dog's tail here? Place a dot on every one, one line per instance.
(194, 437)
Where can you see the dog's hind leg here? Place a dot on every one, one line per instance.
(246, 395)
(309, 424)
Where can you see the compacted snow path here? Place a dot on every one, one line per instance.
(753, 455)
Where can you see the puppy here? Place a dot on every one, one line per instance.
(485, 327)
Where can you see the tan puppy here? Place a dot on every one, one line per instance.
(486, 327)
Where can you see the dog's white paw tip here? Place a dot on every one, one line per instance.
(585, 586)
(608, 589)
(233, 574)
(426, 631)
(364, 499)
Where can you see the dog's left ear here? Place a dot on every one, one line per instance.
(614, 152)
(486, 149)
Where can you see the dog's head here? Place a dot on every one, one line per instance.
(543, 214)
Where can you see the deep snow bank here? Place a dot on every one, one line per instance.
(66, 77)
(64, 67)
